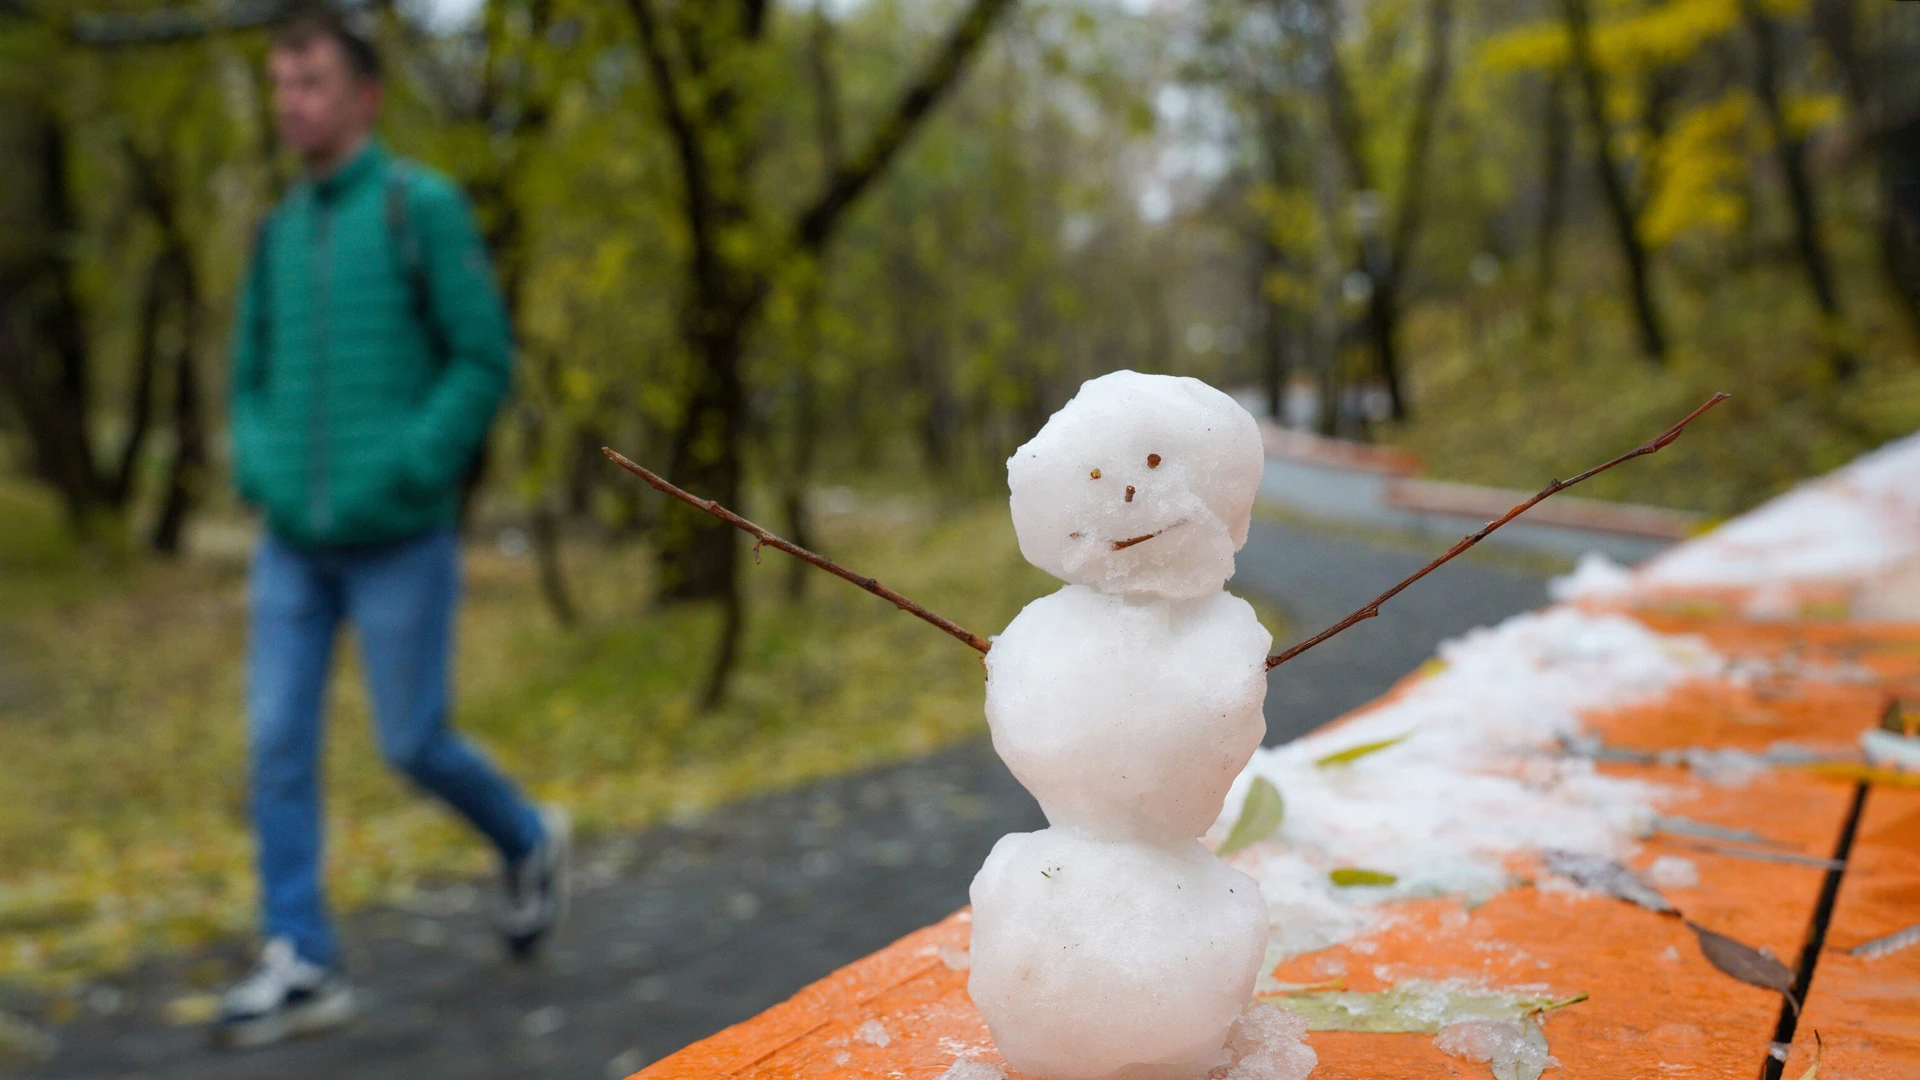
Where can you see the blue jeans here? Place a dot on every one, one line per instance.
(400, 598)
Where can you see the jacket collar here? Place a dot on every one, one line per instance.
(358, 169)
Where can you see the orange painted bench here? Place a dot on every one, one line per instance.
(1656, 1007)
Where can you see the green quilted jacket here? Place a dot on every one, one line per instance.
(367, 365)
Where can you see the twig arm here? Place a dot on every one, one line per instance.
(764, 538)
(1372, 607)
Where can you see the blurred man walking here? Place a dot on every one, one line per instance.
(370, 354)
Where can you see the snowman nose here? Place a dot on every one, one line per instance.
(1129, 492)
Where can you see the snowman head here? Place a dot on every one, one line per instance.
(1142, 484)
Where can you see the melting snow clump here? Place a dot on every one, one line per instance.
(1113, 944)
(1516, 1049)
(873, 1033)
(1594, 577)
(1673, 872)
(1266, 1043)
(967, 1068)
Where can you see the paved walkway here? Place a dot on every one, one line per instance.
(684, 929)
(1321, 577)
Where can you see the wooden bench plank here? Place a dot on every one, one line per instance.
(1867, 1010)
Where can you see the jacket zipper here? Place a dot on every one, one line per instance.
(319, 501)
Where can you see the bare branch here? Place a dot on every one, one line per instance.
(1372, 607)
(850, 179)
(763, 537)
(686, 139)
(1433, 85)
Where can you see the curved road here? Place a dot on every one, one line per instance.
(684, 929)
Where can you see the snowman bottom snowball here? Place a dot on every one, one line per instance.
(1096, 960)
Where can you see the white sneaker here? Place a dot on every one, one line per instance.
(283, 997)
(536, 893)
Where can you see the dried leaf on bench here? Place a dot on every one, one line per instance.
(1354, 753)
(1888, 945)
(1260, 814)
(1813, 1070)
(1746, 963)
(1596, 874)
(1681, 826)
(1412, 1007)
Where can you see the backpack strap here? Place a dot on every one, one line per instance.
(413, 260)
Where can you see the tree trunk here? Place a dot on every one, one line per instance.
(1553, 186)
(140, 397)
(799, 517)
(1613, 185)
(43, 369)
(186, 476)
(697, 551)
(695, 57)
(543, 525)
(1384, 258)
(1833, 22)
(1791, 153)
(1274, 366)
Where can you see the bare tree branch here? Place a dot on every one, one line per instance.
(1433, 84)
(764, 538)
(1372, 607)
(851, 178)
(686, 138)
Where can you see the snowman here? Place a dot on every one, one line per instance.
(1113, 945)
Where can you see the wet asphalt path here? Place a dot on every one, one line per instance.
(683, 929)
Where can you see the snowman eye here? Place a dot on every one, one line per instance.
(1153, 461)
(1096, 474)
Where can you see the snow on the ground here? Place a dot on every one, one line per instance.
(1465, 788)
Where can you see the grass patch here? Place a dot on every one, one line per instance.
(122, 742)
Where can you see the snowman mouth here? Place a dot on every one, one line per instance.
(1122, 545)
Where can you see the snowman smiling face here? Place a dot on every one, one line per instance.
(1142, 485)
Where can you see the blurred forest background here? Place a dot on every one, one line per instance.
(830, 263)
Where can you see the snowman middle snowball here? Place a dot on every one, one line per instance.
(1126, 702)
